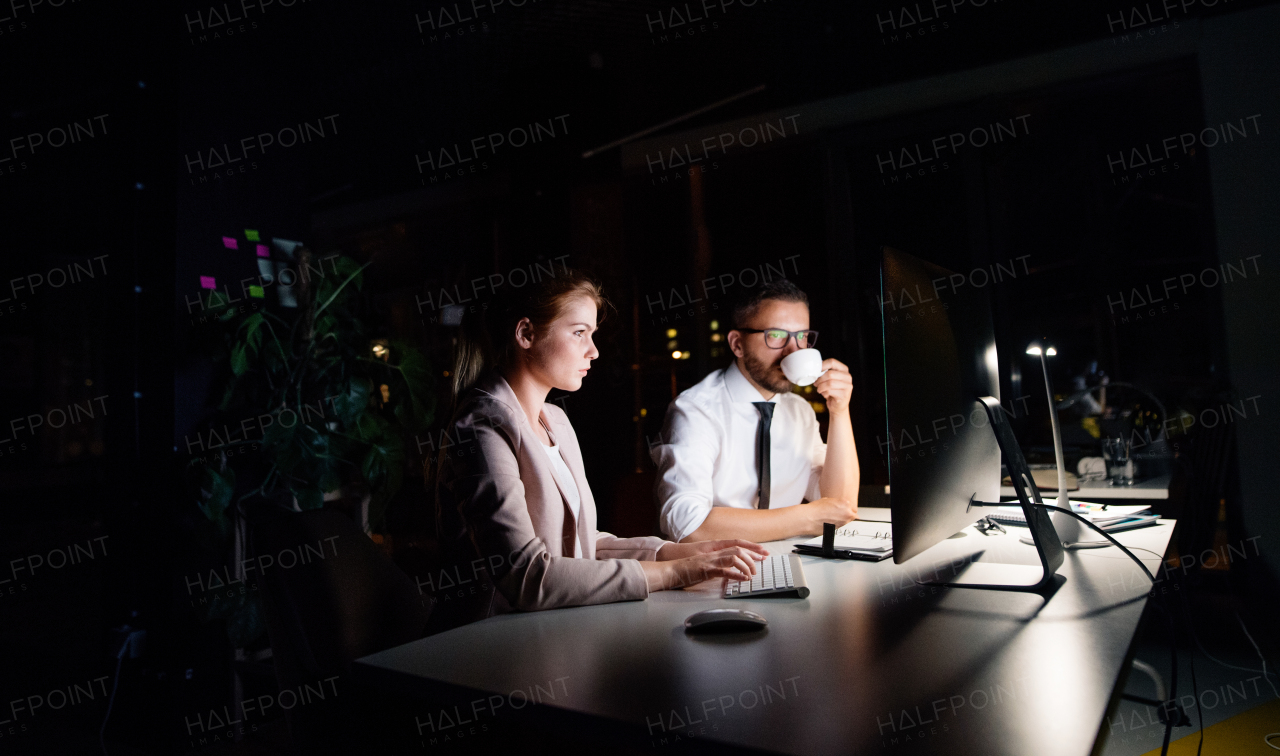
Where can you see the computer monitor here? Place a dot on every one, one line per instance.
(944, 428)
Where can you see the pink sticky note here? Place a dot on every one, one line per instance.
(230, 242)
(263, 251)
(207, 282)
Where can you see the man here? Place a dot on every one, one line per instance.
(717, 478)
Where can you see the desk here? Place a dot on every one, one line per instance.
(1151, 489)
(870, 663)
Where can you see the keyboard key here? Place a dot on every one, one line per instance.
(773, 575)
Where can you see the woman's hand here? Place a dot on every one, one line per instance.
(672, 551)
(734, 563)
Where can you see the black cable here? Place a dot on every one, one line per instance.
(1169, 716)
(1191, 660)
(1266, 675)
(1195, 689)
(102, 732)
(1102, 533)
(1152, 553)
(1258, 651)
(1173, 639)
(126, 647)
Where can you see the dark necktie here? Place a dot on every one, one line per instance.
(762, 450)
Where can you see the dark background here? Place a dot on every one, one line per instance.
(814, 202)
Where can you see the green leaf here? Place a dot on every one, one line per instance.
(278, 360)
(239, 359)
(326, 323)
(348, 268)
(252, 327)
(352, 280)
(228, 395)
(374, 466)
(277, 436)
(372, 428)
(216, 492)
(247, 343)
(414, 398)
(353, 401)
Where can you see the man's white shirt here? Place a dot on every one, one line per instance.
(706, 455)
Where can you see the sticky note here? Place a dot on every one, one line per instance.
(251, 234)
(263, 251)
(208, 282)
(230, 243)
(256, 292)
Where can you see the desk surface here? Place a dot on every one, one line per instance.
(1151, 488)
(870, 662)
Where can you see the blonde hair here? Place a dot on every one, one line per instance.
(541, 302)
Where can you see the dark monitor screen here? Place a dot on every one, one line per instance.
(939, 357)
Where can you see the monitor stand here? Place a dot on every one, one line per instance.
(1014, 577)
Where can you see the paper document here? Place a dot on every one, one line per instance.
(860, 536)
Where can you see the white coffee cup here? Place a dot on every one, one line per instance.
(803, 366)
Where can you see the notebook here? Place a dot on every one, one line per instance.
(869, 541)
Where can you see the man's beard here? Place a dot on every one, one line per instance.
(763, 374)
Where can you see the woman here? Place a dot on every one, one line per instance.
(513, 503)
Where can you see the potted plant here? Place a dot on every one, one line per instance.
(325, 408)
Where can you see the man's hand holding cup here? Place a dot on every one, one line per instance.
(830, 376)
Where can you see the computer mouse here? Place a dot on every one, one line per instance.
(724, 621)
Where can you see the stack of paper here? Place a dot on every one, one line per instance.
(1112, 515)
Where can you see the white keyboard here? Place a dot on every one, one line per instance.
(780, 574)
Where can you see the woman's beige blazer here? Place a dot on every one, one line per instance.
(500, 500)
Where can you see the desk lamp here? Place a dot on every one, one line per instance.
(1069, 529)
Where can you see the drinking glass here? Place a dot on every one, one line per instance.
(1119, 463)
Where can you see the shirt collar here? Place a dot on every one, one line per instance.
(740, 389)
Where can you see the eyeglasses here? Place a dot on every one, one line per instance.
(776, 338)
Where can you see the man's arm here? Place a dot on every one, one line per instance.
(840, 474)
(686, 463)
(685, 457)
(758, 524)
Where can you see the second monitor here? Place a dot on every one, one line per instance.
(944, 424)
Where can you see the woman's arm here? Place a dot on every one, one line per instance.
(643, 548)
(490, 497)
(703, 562)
